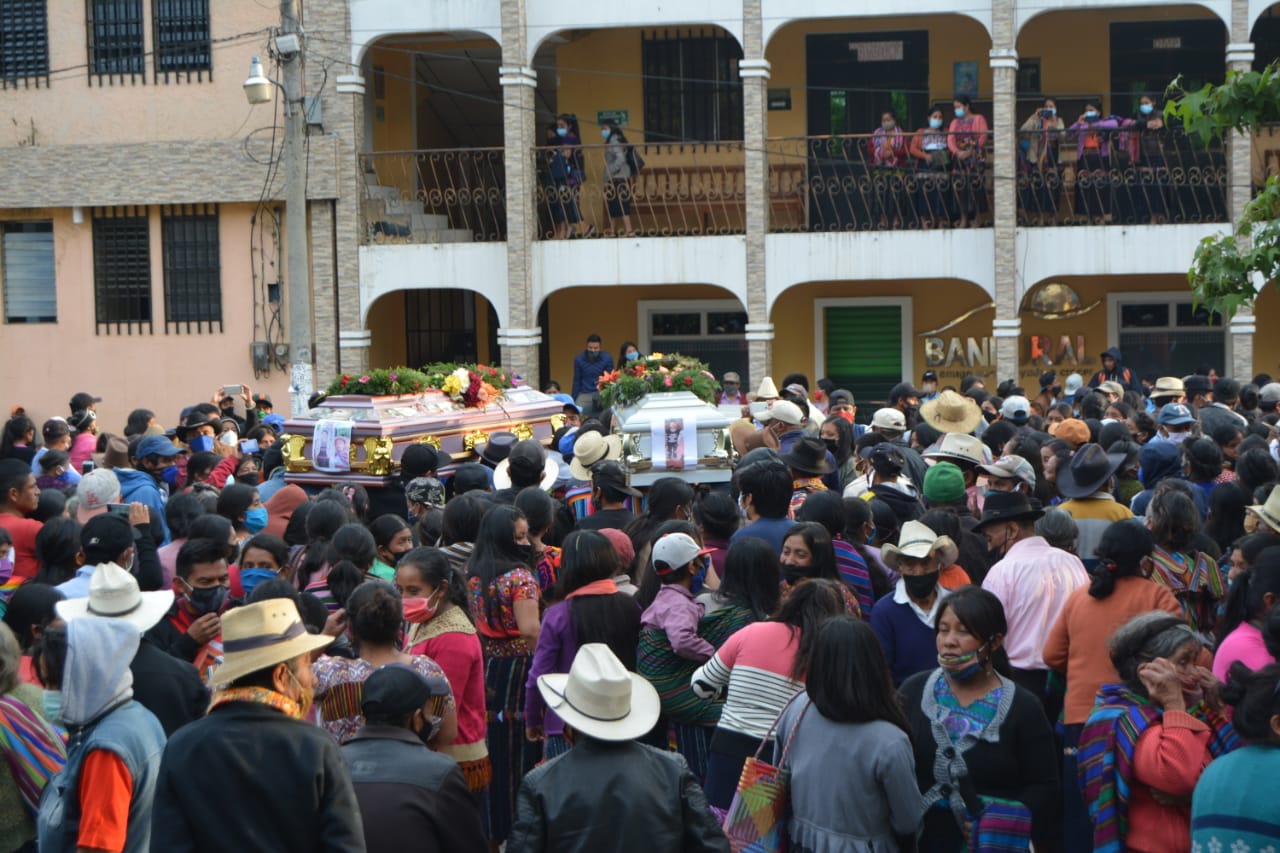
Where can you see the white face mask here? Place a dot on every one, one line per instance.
(1177, 437)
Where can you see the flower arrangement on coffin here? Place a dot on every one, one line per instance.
(472, 385)
(657, 373)
(381, 382)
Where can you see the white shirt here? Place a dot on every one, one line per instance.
(900, 597)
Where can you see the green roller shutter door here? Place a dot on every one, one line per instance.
(863, 346)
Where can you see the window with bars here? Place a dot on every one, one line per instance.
(180, 32)
(122, 270)
(116, 43)
(692, 91)
(24, 43)
(192, 270)
(27, 267)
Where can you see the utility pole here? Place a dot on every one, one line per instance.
(297, 272)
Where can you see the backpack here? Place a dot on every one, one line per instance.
(634, 161)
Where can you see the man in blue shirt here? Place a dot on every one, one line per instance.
(765, 495)
(588, 367)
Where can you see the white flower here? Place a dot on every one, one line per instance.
(463, 376)
(1215, 846)
(1238, 846)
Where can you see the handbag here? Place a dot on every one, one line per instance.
(634, 161)
(757, 819)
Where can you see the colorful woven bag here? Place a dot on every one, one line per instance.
(757, 820)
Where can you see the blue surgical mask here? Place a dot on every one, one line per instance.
(201, 444)
(1090, 115)
(255, 519)
(632, 356)
(562, 131)
(250, 578)
(51, 704)
(963, 667)
(207, 599)
(960, 112)
(1146, 109)
(604, 131)
(935, 123)
(170, 475)
(699, 579)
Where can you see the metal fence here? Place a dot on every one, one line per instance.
(440, 195)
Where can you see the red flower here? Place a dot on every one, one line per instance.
(688, 380)
(345, 380)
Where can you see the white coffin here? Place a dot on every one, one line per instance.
(714, 457)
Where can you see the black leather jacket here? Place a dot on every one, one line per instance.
(620, 797)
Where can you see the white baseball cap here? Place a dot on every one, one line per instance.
(675, 551)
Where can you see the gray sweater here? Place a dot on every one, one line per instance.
(853, 785)
(616, 167)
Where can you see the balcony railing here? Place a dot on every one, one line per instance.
(863, 182)
(683, 188)
(436, 196)
(1119, 176)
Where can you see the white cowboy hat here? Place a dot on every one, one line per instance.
(1269, 512)
(918, 540)
(258, 636)
(951, 412)
(600, 698)
(767, 390)
(959, 447)
(591, 447)
(114, 594)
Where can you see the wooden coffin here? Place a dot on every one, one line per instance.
(380, 428)
(691, 439)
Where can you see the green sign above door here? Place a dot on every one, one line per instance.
(620, 117)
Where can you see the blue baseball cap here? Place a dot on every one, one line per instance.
(276, 422)
(1175, 414)
(156, 445)
(566, 400)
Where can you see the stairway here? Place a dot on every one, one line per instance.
(391, 218)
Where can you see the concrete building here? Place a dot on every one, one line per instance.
(768, 237)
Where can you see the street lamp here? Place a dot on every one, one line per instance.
(258, 87)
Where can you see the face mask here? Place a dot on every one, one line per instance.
(990, 417)
(699, 579)
(1146, 109)
(742, 508)
(963, 667)
(306, 697)
(562, 131)
(887, 126)
(959, 112)
(6, 568)
(397, 556)
(1090, 115)
(593, 356)
(250, 578)
(604, 131)
(1177, 437)
(229, 439)
(207, 599)
(795, 574)
(1049, 112)
(253, 478)
(831, 444)
(632, 356)
(51, 704)
(419, 610)
(255, 519)
(170, 475)
(526, 554)
(201, 444)
(935, 123)
(920, 586)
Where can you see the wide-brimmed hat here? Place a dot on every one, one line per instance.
(1111, 387)
(951, 412)
(1168, 386)
(1006, 506)
(600, 698)
(1269, 513)
(746, 438)
(261, 635)
(808, 456)
(591, 447)
(958, 447)
(114, 594)
(497, 447)
(1090, 469)
(917, 540)
(530, 456)
(767, 390)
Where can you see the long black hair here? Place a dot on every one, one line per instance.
(495, 554)
(1225, 524)
(433, 566)
(1246, 600)
(822, 563)
(30, 610)
(844, 438)
(234, 501)
(610, 619)
(57, 544)
(752, 577)
(324, 519)
(982, 614)
(643, 576)
(350, 555)
(810, 604)
(857, 514)
(1252, 695)
(848, 678)
(1123, 547)
(666, 495)
(462, 517)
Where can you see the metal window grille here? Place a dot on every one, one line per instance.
(116, 48)
(24, 43)
(122, 270)
(180, 35)
(27, 264)
(192, 270)
(440, 325)
(692, 91)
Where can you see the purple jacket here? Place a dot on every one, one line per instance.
(1081, 129)
(675, 611)
(557, 646)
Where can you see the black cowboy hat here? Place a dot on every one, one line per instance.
(497, 448)
(808, 456)
(1007, 506)
(1090, 469)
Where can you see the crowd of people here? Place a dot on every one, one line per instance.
(979, 621)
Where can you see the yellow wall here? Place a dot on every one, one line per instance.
(74, 110)
(610, 312)
(952, 39)
(42, 365)
(605, 75)
(1074, 48)
(1266, 344)
(386, 325)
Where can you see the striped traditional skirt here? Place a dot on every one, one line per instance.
(511, 755)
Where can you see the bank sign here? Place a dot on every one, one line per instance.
(975, 353)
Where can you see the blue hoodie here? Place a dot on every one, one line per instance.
(142, 487)
(1160, 460)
